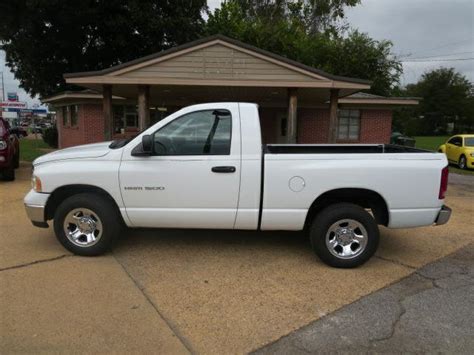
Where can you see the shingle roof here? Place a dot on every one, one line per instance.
(224, 39)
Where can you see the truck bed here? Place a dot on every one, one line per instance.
(339, 149)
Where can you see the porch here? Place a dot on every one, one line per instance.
(216, 69)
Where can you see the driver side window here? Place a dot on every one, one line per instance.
(456, 141)
(196, 133)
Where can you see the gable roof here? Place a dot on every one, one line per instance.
(362, 98)
(236, 45)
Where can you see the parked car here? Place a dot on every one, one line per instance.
(19, 131)
(9, 151)
(37, 129)
(204, 167)
(401, 139)
(459, 150)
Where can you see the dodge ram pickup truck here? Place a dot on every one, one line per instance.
(205, 167)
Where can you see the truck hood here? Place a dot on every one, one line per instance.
(95, 150)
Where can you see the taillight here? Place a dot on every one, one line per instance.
(443, 186)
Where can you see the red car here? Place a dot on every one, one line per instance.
(9, 151)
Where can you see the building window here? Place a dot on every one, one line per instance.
(349, 125)
(64, 113)
(125, 117)
(74, 115)
(131, 117)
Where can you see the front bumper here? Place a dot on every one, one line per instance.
(35, 206)
(443, 216)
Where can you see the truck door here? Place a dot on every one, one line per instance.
(192, 179)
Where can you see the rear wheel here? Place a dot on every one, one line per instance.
(344, 235)
(462, 162)
(87, 224)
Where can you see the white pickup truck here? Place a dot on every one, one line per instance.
(205, 167)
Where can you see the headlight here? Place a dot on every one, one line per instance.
(472, 154)
(36, 184)
(3, 144)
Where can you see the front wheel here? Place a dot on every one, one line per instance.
(8, 174)
(462, 162)
(344, 235)
(16, 160)
(87, 224)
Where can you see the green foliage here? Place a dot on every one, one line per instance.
(50, 136)
(309, 32)
(446, 97)
(45, 38)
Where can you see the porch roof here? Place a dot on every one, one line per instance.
(215, 61)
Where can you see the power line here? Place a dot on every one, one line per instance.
(437, 47)
(436, 60)
(443, 55)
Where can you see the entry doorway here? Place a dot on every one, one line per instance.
(281, 128)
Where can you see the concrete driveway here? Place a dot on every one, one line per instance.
(190, 291)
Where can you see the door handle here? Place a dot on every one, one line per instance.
(223, 169)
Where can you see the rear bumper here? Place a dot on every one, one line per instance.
(35, 206)
(443, 216)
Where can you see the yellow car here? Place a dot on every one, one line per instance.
(459, 149)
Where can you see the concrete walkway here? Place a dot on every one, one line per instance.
(431, 311)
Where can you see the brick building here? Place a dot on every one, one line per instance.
(298, 104)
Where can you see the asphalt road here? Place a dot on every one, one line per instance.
(430, 311)
(195, 291)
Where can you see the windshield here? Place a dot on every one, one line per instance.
(469, 142)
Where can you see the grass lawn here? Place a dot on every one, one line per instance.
(30, 149)
(432, 143)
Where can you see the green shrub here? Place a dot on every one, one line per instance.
(50, 136)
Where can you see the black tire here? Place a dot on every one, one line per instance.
(105, 211)
(462, 163)
(331, 215)
(8, 174)
(16, 160)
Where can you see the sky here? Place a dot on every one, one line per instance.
(426, 34)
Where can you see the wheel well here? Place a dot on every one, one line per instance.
(63, 192)
(362, 197)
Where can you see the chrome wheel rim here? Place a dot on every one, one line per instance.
(462, 162)
(346, 239)
(83, 227)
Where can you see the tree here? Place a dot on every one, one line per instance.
(446, 98)
(45, 38)
(311, 32)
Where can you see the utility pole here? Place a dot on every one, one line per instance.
(3, 88)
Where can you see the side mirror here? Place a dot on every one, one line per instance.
(144, 149)
(147, 144)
